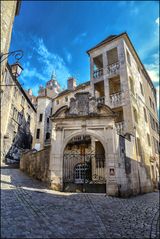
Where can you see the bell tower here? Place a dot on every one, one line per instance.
(52, 84)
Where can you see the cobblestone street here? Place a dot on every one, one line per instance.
(29, 210)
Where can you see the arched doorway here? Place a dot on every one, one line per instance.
(84, 165)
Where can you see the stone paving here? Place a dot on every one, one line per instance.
(29, 210)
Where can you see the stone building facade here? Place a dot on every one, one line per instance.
(9, 9)
(17, 118)
(117, 112)
(103, 134)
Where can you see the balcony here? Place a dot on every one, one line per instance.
(116, 99)
(101, 100)
(113, 69)
(120, 127)
(97, 73)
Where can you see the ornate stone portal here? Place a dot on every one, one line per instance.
(84, 116)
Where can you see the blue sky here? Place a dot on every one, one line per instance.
(57, 34)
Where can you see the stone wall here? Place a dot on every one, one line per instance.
(36, 164)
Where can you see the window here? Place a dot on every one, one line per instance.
(29, 119)
(40, 117)
(131, 84)
(15, 113)
(66, 98)
(150, 101)
(22, 101)
(19, 118)
(47, 135)
(57, 102)
(145, 114)
(51, 111)
(38, 134)
(48, 120)
(128, 58)
(135, 115)
(148, 139)
(156, 145)
(153, 106)
(112, 56)
(152, 122)
(139, 70)
(139, 149)
(157, 127)
(141, 88)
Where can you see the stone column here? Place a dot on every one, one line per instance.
(91, 76)
(105, 78)
(56, 159)
(125, 87)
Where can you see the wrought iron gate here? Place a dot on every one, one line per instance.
(83, 169)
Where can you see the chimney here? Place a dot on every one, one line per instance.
(29, 91)
(71, 83)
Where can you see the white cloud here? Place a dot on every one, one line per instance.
(152, 43)
(68, 55)
(30, 74)
(153, 68)
(48, 61)
(51, 61)
(157, 21)
(78, 39)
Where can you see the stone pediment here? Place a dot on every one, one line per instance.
(83, 105)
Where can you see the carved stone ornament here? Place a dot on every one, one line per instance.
(82, 105)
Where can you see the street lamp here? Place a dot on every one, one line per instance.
(16, 69)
